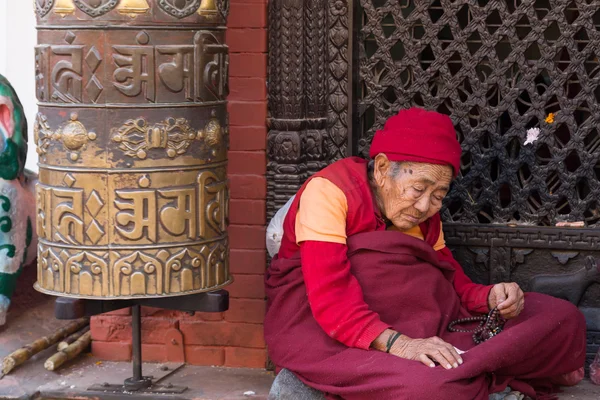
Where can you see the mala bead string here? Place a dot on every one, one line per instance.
(489, 326)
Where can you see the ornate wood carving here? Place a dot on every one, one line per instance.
(132, 136)
(338, 76)
(297, 96)
(528, 255)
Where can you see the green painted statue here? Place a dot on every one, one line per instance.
(18, 241)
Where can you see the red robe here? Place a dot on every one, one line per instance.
(326, 268)
(392, 279)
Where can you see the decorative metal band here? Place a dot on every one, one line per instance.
(223, 6)
(43, 7)
(172, 8)
(142, 273)
(103, 7)
(212, 12)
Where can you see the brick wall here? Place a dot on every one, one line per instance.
(233, 338)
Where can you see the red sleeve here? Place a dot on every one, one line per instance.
(335, 296)
(473, 296)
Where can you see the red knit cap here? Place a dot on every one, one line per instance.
(418, 135)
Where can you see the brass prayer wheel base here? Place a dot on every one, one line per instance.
(37, 287)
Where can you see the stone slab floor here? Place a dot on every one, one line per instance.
(32, 317)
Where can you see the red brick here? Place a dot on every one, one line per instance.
(247, 40)
(203, 316)
(222, 334)
(247, 261)
(247, 237)
(174, 345)
(247, 212)
(245, 358)
(116, 328)
(247, 186)
(247, 16)
(111, 351)
(253, 89)
(154, 352)
(153, 329)
(161, 313)
(246, 310)
(202, 355)
(147, 311)
(247, 287)
(178, 315)
(247, 113)
(247, 64)
(110, 328)
(247, 162)
(247, 138)
(122, 311)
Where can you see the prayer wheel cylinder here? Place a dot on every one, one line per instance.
(132, 137)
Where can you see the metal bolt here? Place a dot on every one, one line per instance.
(173, 341)
(105, 384)
(169, 386)
(164, 368)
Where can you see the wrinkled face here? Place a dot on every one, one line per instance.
(409, 193)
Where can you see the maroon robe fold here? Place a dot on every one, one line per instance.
(404, 281)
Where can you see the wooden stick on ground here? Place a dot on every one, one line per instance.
(69, 353)
(26, 352)
(72, 338)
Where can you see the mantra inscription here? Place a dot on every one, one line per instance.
(132, 134)
(72, 69)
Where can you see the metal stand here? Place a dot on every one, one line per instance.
(137, 382)
(67, 308)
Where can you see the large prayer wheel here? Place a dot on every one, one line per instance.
(132, 137)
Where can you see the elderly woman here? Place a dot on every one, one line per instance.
(363, 288)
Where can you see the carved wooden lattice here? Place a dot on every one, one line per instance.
(497, 68)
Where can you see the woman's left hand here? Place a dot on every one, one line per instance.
(509, 299)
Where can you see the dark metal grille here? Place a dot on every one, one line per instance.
(498, 68)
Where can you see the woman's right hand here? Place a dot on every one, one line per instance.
(427, 351)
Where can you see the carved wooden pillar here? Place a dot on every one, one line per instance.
(315, 78)
(286, 168)
(297, 96)
(339, 78)
(132, 134)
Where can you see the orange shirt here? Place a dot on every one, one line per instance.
(322, 215)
